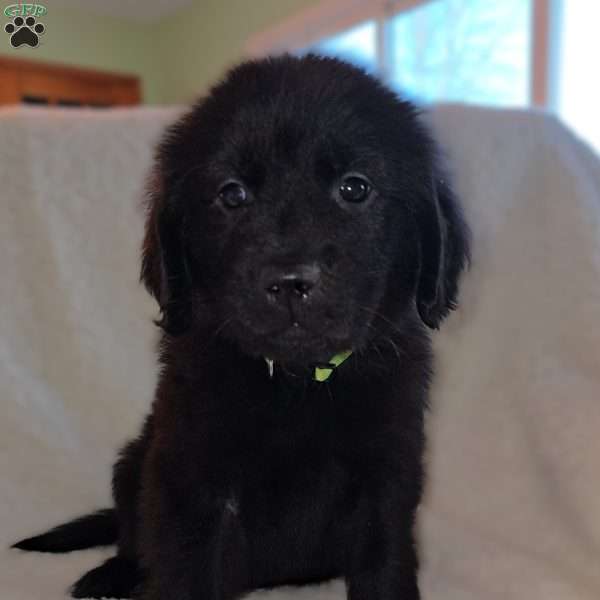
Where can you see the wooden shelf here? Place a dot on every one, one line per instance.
(54, 84)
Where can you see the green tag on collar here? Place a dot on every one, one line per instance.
(323, 373)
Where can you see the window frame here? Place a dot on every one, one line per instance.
(330, 17)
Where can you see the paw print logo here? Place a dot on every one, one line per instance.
(24, 31)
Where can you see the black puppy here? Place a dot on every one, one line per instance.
(301, 239)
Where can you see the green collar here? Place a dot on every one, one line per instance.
(323, 372)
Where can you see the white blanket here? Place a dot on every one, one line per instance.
(512, 509)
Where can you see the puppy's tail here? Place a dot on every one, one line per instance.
(96, 529)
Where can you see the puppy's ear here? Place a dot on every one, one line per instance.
(165, 270)
(444, 252)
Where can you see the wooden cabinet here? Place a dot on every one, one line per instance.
(47, 83)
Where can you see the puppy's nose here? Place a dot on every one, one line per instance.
(294, 282)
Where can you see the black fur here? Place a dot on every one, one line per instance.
(240, 480)
(117, 577)
(97, 529)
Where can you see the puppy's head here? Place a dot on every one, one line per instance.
(299, 211)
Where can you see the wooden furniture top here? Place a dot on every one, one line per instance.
(37, 82)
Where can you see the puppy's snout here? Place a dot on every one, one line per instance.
(297, 281)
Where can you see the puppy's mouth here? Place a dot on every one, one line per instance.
(297, 344)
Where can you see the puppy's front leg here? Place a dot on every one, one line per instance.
(193, 546)
(384, 565)
(196, 561)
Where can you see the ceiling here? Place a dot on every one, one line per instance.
(143, 11)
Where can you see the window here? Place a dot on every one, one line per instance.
(513, 53)
(452, 50)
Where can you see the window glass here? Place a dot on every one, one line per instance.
(475, 51)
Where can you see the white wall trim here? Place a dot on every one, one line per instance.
(326, 18)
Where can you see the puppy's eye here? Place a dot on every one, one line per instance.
(233, 195)
(354, 189)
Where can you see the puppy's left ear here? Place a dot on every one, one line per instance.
(444, 252)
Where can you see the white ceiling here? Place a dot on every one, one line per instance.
(143, 11)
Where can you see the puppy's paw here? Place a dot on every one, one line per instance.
(116, 578)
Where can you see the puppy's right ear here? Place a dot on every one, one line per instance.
(165, 270)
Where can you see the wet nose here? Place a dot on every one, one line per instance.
(297, 281)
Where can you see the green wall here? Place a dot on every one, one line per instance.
(197, 44)
(177, 57)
